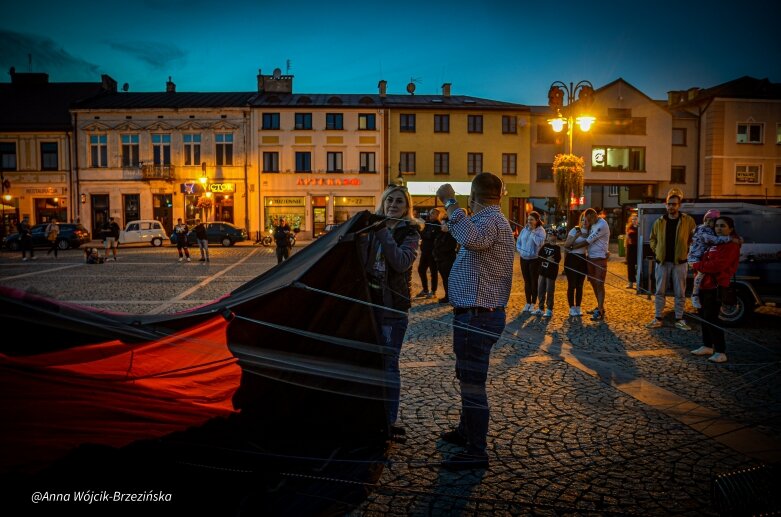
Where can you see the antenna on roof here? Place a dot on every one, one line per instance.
(288, 67)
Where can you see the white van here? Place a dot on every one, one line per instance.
(143, 231)
(758, 279)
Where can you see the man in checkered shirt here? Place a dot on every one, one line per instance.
(479, 288)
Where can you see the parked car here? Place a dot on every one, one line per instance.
(143, 231)
(758, 279)
(226, 234)
(72, 235)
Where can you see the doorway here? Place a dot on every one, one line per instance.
(163, 210)
(99, 203)
(318, 220)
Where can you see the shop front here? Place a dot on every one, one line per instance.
(312, 201)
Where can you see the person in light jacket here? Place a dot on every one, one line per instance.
(529, 243)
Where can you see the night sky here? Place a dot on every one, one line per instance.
(507, 50)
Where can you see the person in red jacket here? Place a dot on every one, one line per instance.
(719, 264)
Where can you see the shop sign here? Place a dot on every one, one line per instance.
(329, 182)
(749, 176)
(190, 188)
(219, 188)
(285, 201)
(354, 201)
(44, 190)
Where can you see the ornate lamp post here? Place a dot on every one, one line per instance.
(584, 91)
(568, 168)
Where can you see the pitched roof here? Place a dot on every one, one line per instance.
(324, 100)
(41, 106)
(167, 100)
(745, 87)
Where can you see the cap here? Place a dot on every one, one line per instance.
(712, 214)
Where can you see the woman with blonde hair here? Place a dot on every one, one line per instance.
(389, 250)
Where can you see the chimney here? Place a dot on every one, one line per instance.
(170, 87)
(446, 90)
(107, 83)
(691, 93)
(675, 97)
(383, 86)
(260, 81)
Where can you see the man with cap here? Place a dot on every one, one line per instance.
(671, 235)
(704, 237)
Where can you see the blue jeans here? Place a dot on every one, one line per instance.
(393, 330)
(472, 351)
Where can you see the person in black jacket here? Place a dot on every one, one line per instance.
(25, 239)
(282, 240)
(203, 240)
(427, 262)
(445, 251)
(550, 257)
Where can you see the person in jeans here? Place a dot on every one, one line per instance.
(717, 265)
(182, 246)
(530, 241)
(671, 236)
(389, 250)
(550, 257)
(597, 247)
(203, 240)
(479, 288)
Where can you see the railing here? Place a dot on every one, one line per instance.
(157, 172)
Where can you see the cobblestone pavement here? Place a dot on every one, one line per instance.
(587, 418)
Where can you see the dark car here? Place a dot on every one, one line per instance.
(226, 234)
(72, 235)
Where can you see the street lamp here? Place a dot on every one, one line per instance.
(584, 91)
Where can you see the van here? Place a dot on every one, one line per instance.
(758, 279)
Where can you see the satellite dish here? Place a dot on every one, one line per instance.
(411, 88)
(277, 73)
(125, 87)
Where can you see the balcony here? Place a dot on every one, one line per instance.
(157, 172)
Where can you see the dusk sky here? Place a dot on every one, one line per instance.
(507, 50)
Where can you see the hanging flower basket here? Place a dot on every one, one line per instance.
(568, 175)
(204, 202)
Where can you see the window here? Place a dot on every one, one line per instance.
(367, 121)
(509, 164)
(224, 148)
(544, 172)
(749, 133)
(679, 136)
(474, 123)
(545, 134)
(334, 121)
(474, 163)
(748, 174)
(98, 150)
(270, 162)
(161, 148)
(678, 174)
(407, 122)
(441, 163)
(407, 162)
(8, 156)
(367, 162)
(49, 158)
(192, 148)
(778, 134)
(442, 123)
(129, 150)
(509, 124)
(334, 162)
(271, 121)
(612, 190)
(303, 121)
(778, 175)
(630, 159)
(303, 162)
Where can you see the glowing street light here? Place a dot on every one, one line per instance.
(584, 91)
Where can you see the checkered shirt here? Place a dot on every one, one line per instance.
(482, 273)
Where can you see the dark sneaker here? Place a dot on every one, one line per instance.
(466, 461)
(592, 311)
(454, 437)
(597, 315)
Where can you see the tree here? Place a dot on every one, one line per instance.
(568, 175)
